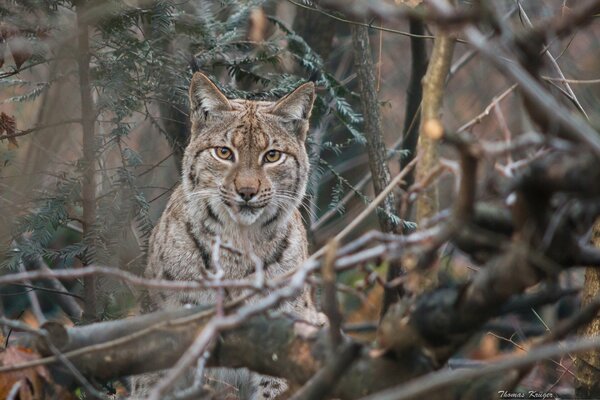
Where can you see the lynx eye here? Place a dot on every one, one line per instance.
(224, 153)
(272, 156)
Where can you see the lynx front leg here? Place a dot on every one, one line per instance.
(269, 388)
(141, 385)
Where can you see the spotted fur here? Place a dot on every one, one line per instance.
(246, 202)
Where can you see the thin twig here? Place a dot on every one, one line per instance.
(477, 119)
(554, 63)
(574, 81)
(125, 276)
(380, 28)
(39, 128)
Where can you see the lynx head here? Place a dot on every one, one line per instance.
(246, 160)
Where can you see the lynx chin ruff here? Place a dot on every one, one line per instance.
(243, 178)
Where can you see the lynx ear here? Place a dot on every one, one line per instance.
(296, 105)
(205, 96)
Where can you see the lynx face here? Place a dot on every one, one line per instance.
(246, 160)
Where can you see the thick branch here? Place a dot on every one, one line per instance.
(275, 346)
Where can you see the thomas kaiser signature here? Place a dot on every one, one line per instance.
(532, 394)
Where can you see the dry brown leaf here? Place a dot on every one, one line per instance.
(8, 126)
(31, 380)
(488, 348)
(121, 390)
(20, 48)
(30, 319)
(368, 311)
(34, 383)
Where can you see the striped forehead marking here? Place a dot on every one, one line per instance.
(250, 132)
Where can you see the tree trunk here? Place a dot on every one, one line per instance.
(587, 382)
(414, 97)
(89, 156)
(431, 128)
(375, 145)
(372, 125)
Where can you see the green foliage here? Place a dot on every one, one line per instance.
(35, 232)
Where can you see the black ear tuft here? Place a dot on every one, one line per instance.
(194, 64)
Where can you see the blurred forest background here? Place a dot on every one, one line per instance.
(94, 119)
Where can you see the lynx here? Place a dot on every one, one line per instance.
(243, 178)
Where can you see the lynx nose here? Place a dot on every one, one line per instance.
(247, 193)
